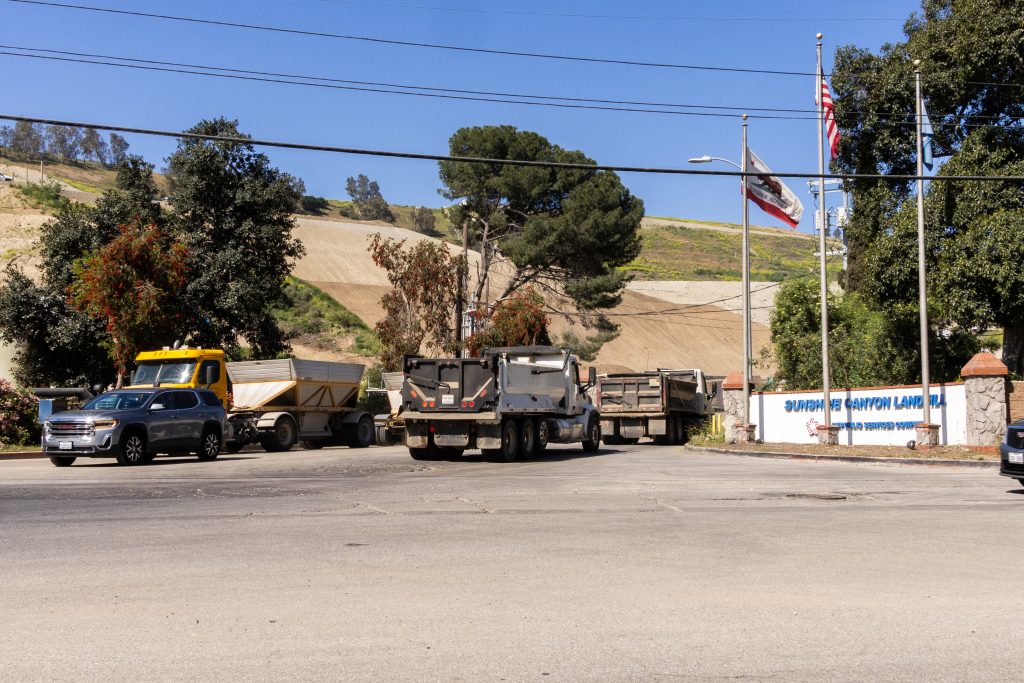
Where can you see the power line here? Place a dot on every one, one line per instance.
(408, 43)
(434, 92)
(617, 17)
(500, 162)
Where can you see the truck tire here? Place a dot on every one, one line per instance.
(527, 438)
(133, 449)
(509, 444)
(422, 454)
(63, 461)
(593, 441)
(543, 434)
(281, 437)
(360, 435)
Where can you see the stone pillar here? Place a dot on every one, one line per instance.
(732, 400)
(985, 386)
(828, 435)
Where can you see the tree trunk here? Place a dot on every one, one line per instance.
(120, 380)
(1013, 347)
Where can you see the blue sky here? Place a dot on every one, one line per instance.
(770, 35)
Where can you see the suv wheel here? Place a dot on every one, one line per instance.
(132, 450)
(209, 445)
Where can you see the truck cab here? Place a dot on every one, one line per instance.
(183, 368)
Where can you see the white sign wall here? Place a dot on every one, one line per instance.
(878, 416)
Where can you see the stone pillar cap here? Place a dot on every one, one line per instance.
(734, 380)
(984, 364)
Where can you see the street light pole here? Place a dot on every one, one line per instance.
(825, 371)
(922, 282)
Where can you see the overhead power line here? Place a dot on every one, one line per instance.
(617, 17)
(409, 43)
(499, 162)
(498, 97)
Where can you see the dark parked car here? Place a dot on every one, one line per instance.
(1012, 452)
(134, 425)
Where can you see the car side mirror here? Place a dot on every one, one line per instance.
(157, 406)
(210, 375)
(592, 376)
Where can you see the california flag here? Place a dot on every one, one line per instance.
(770, 194)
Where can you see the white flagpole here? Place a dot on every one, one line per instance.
(922, 293)
(745, 164)
(823, 223)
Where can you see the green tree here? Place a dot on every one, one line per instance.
(419, 308)
(64, 142)
(27, 138)
(94, 146)
(233, 211)
(118, 148)
(424, 220)
(58, 344)
(132, 286)
(563, 229)
(369, 202)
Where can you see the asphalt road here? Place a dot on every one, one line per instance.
(639, 563)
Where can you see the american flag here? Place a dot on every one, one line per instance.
(830, 117)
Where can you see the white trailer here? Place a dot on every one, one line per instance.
(277, 403)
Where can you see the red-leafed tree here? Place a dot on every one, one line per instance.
(517, 321)
(420, 307)
(133, 285)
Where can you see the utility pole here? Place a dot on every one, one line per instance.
(745, 164)
(460, 314)
(922, 284)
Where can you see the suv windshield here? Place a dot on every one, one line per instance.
(118, 400)
(152, 372)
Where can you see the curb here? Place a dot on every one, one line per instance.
(847, 458)
(21, 455)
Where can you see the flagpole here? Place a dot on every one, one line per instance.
(822, 221)
(745, 164)
(922, 293)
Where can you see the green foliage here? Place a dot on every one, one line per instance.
(314, 205)
(419, 308)
(18, 412)
(518, 321)
(234, 212)
(868, 346)
(374, 403)
(573, 228)
(44, 196)
(308, 315)
(131, 285)
(588, 346)
(367, 200)
(424, 220)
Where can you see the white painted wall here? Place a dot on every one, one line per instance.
(877, 416)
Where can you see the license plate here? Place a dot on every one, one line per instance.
(65, 445)
(1017, 458)
(448, 399)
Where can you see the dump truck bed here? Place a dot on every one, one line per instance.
(649, 393)
(294, 383)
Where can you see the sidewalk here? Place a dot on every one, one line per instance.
(948, 456)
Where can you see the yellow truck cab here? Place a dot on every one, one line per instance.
(183, 368)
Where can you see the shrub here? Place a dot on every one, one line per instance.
(18, 412)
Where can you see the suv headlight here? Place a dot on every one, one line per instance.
(46, 426)
(104, 424)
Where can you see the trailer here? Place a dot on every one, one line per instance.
(277, 403)
(390, 427)
(664, 405)
(510, 403)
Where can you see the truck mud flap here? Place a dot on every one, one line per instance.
(631, 429)
(488, 436)
(453, 434)
(416, 435)
(656, 427)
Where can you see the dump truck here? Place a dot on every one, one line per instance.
(510, 403)
(662, 404)
(275, 403)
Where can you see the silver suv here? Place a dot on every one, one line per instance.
(133, 425)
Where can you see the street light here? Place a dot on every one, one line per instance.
(747, 340)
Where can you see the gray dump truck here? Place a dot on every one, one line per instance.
(662, 404)
(510, 403)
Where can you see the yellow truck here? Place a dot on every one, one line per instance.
(275, 403)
